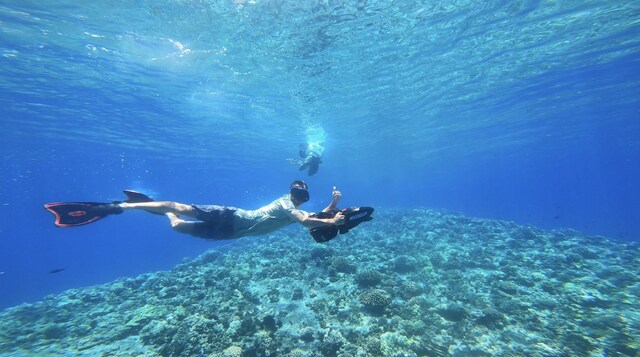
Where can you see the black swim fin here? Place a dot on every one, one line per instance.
(72, 214)
(136, 197)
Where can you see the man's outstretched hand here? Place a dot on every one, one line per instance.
(336, 194)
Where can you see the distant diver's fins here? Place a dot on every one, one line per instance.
(352, 217)
(72, 214)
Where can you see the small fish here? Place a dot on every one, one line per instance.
(1, 272)
(56, 270)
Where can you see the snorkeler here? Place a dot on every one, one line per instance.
(212, 221)
(312, 157)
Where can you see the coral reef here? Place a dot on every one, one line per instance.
(341, 265)
(369, 277)
(375, 300)
(409, 283)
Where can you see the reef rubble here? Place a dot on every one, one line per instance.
(409, 283)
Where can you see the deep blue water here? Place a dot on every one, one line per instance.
(525, 111)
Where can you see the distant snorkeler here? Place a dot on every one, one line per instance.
(311, 155)
(222, 222)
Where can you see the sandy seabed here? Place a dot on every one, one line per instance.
(409, 283)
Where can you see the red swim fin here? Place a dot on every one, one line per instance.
(72, 214)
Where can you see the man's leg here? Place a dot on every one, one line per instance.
(200, 229)
(161, 207)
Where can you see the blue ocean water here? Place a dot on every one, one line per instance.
(523, 111)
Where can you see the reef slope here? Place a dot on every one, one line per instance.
(408, 283)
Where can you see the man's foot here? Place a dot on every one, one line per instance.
(174, 218)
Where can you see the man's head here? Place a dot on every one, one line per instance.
(299, 192)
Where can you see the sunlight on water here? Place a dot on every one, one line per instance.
(229, 74)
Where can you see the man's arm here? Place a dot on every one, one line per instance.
(337, 195)
(303, 218)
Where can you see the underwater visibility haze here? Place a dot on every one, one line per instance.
(499, 142)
